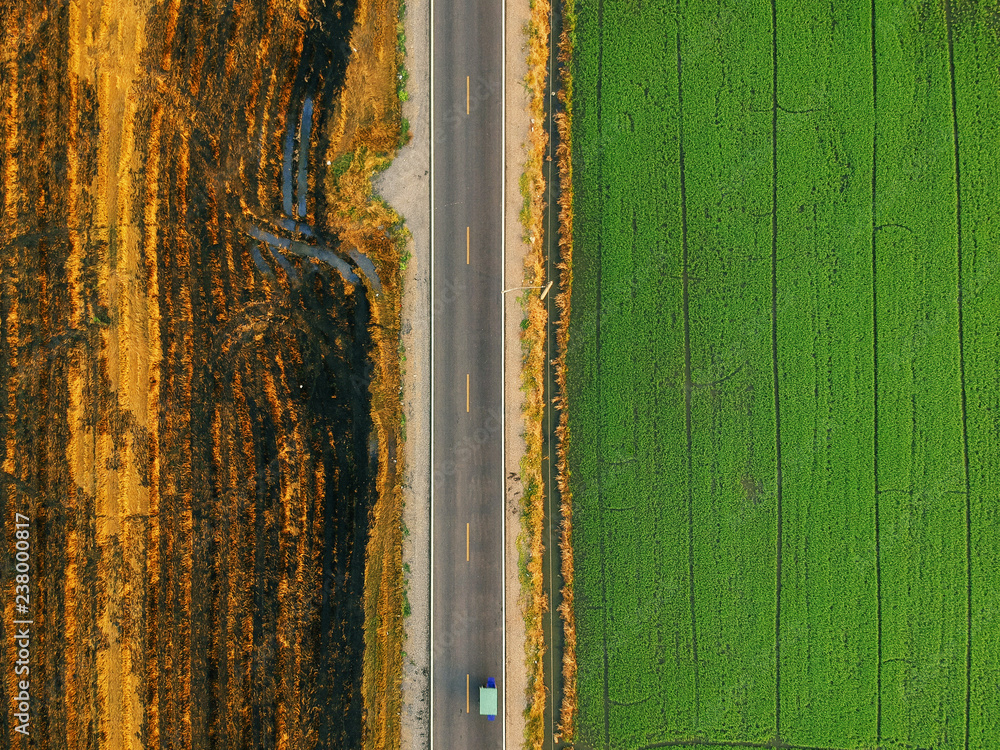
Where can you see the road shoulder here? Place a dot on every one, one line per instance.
(405, 185)
(517, 123)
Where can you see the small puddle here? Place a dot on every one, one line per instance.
(286, 172)
(294, 226)
(327, 256)
(295, 211)
(258, 259)
(307, 116)
(367, 268)
(269, 238)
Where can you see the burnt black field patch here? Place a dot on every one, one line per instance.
(186, 414)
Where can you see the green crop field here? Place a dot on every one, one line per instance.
(784, 373)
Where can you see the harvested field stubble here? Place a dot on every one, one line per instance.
(564, 125)
(781, 419)
(196, 422)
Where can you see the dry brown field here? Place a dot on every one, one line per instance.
(199, 410)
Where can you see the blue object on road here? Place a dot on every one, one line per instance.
(488, 700)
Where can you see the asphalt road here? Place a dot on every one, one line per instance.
(466, 430)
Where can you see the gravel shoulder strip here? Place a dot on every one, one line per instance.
(517, 126)
(405, 185)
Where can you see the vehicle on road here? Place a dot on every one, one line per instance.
(488, 699)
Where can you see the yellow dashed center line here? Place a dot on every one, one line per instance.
(466, 393)
(467, 542)
(467, 95)
(466, 246)
(466, 693)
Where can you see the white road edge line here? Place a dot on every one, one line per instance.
(503, 358)
(431, 555)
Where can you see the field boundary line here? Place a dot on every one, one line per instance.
(961, 370)
(774, 365)
(600, 383)
(600, 504)
(687, 373)
(875, 487)
(550, 387)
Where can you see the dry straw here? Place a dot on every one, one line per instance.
(564, 123)
(533, 349)
(364, 137)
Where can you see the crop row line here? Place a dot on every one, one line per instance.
(600, 388)
(948, 15)
(878, 551)
(688, 384)
(774, 363)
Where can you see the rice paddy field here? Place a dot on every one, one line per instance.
(784, 399)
